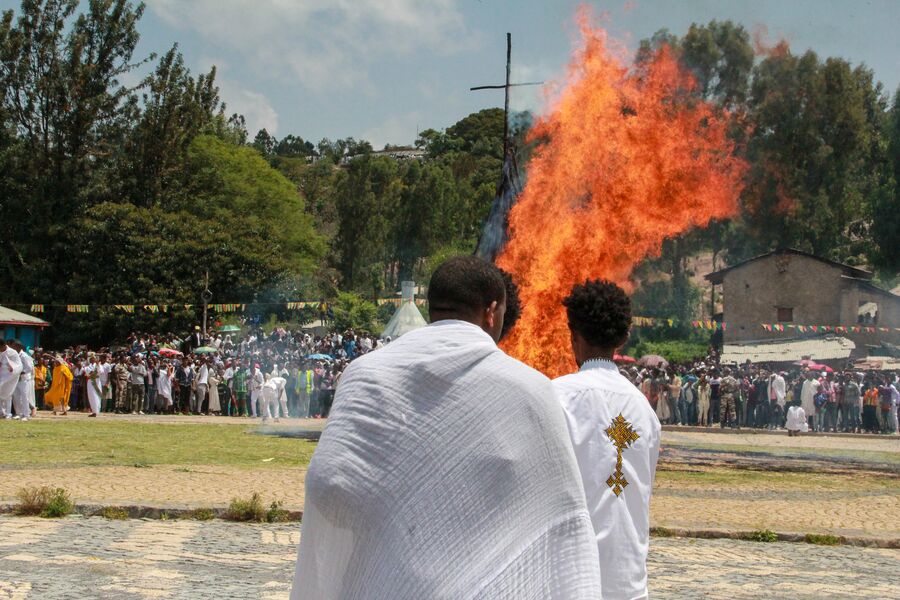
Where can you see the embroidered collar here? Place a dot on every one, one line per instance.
(599, 363)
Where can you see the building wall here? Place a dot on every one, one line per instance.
(29, 336)
(753, 292)
(817, 293)
(852, 298)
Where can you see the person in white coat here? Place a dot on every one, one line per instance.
(615, 434)
(256, 382)
(776, 393)
(445, 470)
(91, 373)
(10, 370)
(23, 396)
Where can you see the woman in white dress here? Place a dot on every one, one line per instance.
(91, 374)
(164, 388)
(214, 406)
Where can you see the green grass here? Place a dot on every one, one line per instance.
(763, 535)
(114, 513)
(251, 509)
(822, 539)
(203, 514)
(61, 443)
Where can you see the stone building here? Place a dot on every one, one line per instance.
(797, 290)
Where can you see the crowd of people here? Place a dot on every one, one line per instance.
(281, 374)
(294, 374)
(757, 396)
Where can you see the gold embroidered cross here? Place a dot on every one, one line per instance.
(622, 435)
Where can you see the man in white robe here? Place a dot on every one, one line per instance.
(255, 382)
(23, 396)
(272, 394)
(445, 471)
(615, 433)
(10, 369)
(807, 397)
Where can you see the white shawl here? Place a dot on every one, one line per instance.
(445, 472)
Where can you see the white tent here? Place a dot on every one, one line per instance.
(407, 317)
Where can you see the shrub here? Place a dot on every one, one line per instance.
(763, 535)
(60, 505)
(33, 500)
(246, 510)
(351, 311)
(675, 351)
(203, 514)
(44, 501)
(276, 514)
(115, 513)
(661, 532)
(822, 540)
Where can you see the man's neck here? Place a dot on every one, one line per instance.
(597, 354)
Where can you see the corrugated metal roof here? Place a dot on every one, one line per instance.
(827, 348)
(9, 316)
(717, 276)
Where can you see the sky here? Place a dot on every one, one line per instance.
(382, 70)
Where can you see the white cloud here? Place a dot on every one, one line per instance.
(255, 107)
(399, 130)
(324, 44)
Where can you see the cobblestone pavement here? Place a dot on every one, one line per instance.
(132, 560)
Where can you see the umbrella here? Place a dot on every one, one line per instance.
(204, 350)
(654, 361)
(169, 352)
(319, 357)
(818, 367)
(229, 328)
(621, 358)
(805, 363)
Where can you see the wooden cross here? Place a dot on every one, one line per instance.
(505, 87)
(622, 435)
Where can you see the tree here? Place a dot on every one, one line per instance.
(811, 149)
(176, 108)
(60, 75)
(264, 143)
(366, 196)
(292, 146)
(224, 179)
(352, 312)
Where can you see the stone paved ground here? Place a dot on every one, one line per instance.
(133, 560)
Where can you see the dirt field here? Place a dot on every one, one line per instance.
(835, 485)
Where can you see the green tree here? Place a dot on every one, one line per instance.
(60, 74)
(264, 142)
(223, 179)
(176, 108)
(366, 196)
(351, 311)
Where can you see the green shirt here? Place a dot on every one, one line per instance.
(240, 381)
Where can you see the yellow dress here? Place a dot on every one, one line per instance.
(60, 388)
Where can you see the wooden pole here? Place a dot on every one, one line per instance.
(506, 95)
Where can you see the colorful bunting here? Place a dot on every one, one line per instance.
(129, 308)
(37, 308)
(77, 308)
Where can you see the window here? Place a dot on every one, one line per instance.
(785, 314)
(867, 313)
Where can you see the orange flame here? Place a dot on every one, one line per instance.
(630, 160)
